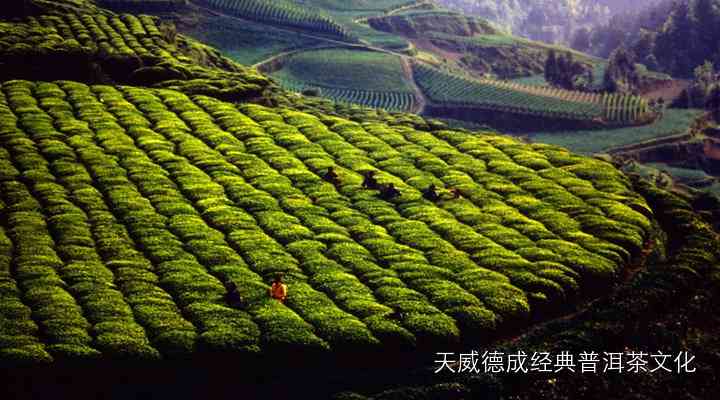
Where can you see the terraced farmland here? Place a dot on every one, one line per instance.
(111, 34)
(447, 89)
(125, 210)
(391, 101)
(367, 78)
(361, 5)
(282, 12)
(121, 48)
(144, 5)
(247, 43)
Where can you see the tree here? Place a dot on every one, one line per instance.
(705, 15)
(643, 48)
(621, 74)
(672, 46)
(705, 78)
(608, 37)
(564, 72)
(551, 67)
(713, 101)
(581, 40)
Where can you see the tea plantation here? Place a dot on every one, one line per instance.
(448, 90)
(368, 78)
(126, 209)
(106, 47)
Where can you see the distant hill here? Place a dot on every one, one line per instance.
(671, 36)
(548, 20)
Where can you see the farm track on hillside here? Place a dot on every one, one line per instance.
(420, 104)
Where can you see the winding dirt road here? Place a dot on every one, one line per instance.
(420, 102)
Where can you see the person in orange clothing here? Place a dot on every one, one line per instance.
(278, 290)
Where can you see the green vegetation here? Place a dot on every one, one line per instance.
(451, 90)
(667, 36)
(283, 13)
(362, 77)
(673, 122)
(390, 101)
(505, 55)
(107, 48)
(132, 193)
(145, 5)
(360, 5)
(133, 209)
(415, 23)
(249, 42)
(598, 75)
(673, 306)
(353, 69)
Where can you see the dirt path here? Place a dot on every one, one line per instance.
(420, 101)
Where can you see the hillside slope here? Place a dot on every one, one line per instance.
(251, 183)
(128, 208)
(110, 48)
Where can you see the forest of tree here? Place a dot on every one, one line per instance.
(672, 36)
(704, 92)
(562, 71)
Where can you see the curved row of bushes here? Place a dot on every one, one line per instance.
(155, 199)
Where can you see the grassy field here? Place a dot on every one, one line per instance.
(674, 122)
(126, 217)
(377, 38)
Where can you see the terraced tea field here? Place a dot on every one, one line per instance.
(282, 13)
(361, 5)
(246, 43)
(123, 48)
(145, 5)
(452, 90)
(125, 210)
(367, 78)
(125, 34)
